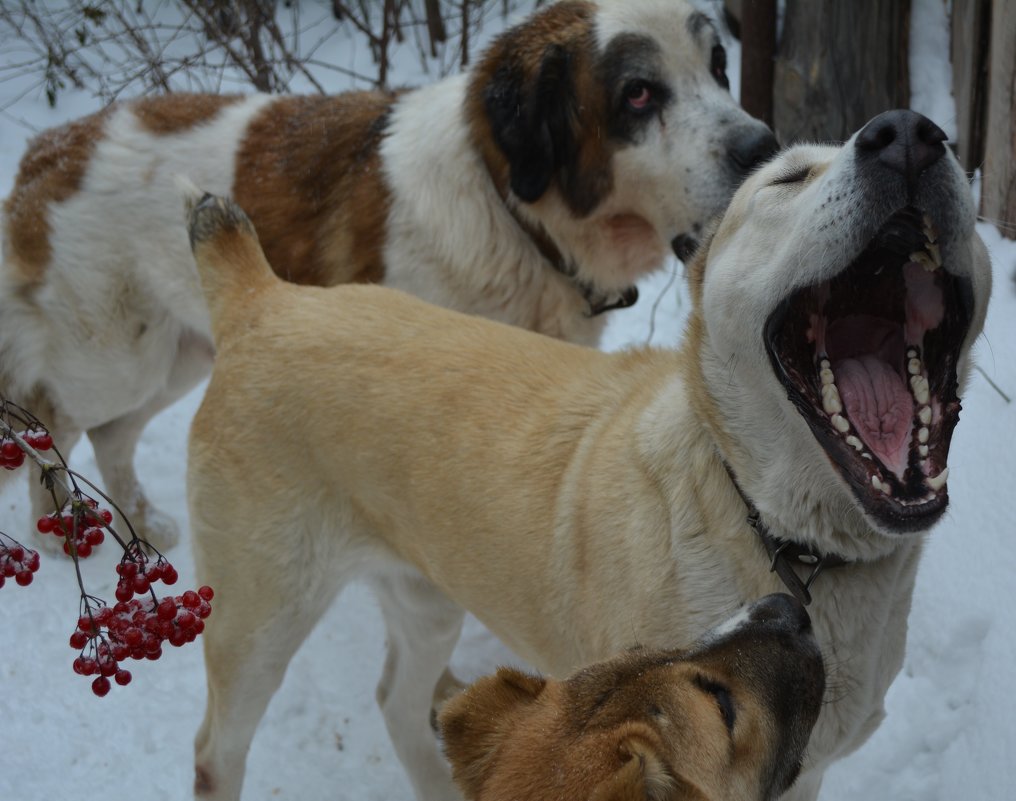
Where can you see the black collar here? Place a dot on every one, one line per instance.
(784, 554)
(597, 301)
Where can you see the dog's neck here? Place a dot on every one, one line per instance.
(598, 302)
(785, 554)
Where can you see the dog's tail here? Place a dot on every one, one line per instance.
(226, 250)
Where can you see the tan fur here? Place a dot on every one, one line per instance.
(575, 501)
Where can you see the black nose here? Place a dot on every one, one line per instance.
(781, 611)
(748, 149)
(904, 141)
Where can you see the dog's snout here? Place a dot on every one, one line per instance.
(749, 148)
(781, 611)
(904, 141)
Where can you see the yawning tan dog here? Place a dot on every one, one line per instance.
(727, 721)
(579, 501)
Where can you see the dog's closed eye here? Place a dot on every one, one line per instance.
(724, 701)
(793, 175)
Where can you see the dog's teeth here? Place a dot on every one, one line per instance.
(922, 435)
(840, 423)
(937, 482)
(929, 229)
(855, 443)
(923, 450)
(919, 384)
(922, 258)
(912, 354)
(831, 399)
(914, 366)
(825, 364)
(866, 455)
(936, 254)
(827, 376)
(924, 415)
(876, 482)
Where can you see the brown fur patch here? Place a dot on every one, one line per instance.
(308, 173)
(51, 171)
(520, 52)
(170, 114)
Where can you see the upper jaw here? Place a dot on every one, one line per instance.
(870, 354)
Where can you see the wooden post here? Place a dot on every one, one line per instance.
(840, 62)
(998, 187)
(969, 48)
(758, 56)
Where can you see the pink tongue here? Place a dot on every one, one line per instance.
(879, 407)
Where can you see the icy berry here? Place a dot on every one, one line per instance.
(100, 686)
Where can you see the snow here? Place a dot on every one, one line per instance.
(948, 732)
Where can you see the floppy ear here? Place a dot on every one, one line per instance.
(642, 775)
(474, 723)
(531, 120)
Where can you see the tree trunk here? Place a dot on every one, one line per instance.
(998, 189)
(840, 62)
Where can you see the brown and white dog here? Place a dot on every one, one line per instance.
(535, 190)
(726, 721)
(577, 501)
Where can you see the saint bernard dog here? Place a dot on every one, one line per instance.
(578, 501)
(534, 190)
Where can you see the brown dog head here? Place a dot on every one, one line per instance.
(727, 720)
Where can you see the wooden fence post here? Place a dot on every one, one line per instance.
(998, 187)
(758, 54)
(840, 62)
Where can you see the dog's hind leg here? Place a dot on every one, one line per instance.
(266, 603)
(423, 627)
(115, 442)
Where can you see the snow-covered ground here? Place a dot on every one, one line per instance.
(949, 732)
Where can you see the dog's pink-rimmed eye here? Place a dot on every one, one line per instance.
(638, 96)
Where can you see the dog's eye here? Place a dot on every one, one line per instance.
(792, 176)
(724, 701)
(638, 95)
(718, 65)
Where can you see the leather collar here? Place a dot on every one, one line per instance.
(598, 302)
(785, 554)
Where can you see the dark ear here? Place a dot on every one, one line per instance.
(642, 775)
(530, 117)
(476, 721)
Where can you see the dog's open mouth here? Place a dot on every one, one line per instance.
(870, 357)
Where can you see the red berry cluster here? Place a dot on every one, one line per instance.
(11, 455)
(17, 562)
(136, 628)
(80, 523)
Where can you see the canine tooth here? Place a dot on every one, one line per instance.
(831, 399)
(914, 366)
(840, 423)
(936, 254)
(855, 443)
(923, 450)
(876, 483)
(937, 482)
(922, 435)
(924, 415)
(929, 229)
(919, 384)
(827, 376)
(922, 258)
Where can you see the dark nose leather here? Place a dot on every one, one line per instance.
(904, 141)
